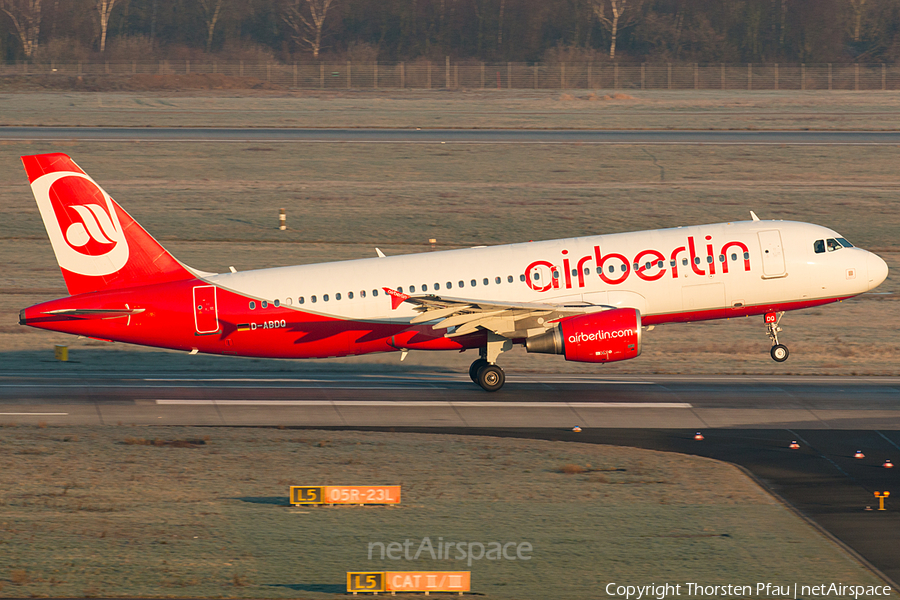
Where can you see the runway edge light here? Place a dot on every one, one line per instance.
(794, 445)
(859, 454)
(699, 437)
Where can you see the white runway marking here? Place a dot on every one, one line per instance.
(33, 414)
(426, 403)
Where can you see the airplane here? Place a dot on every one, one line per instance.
(586, 298)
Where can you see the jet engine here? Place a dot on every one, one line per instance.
(605, 336)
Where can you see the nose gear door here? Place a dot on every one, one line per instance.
(206, 316)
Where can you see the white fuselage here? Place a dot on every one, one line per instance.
(767, 263)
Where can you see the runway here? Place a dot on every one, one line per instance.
(431, 399)
(749, 421)
(451, 136)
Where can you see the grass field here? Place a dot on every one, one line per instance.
(578, 109)
(217, 205)
(101, 513)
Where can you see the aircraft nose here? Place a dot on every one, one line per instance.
(877, 268)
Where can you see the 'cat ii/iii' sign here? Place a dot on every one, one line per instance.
(409, 581)
(345, 494)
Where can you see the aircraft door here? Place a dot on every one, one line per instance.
(772, 253)
(542, 277)
(206, 317)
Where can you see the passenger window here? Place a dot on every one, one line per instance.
(337, 296)
(746, 256)
(509, 278)
(536, 275)
(449, 285)
(437, 286)
(264, 304)
(647, 265)
(832, 245)
(313, 299)
(555, 275)
(660, 264)
(252, 305)
(462, 284)
(474, 283)
(696, 260)
(635, 265)
(709, 259)
(672, 263)
(599, 270)
(324, 297)
(486, 281)
(612, 268)
(424, 287)
(521, 277)
(374, 293)
(277, 303)
(362, 293)
(734, 256)
(574, 272)
(349, 295)
(684, 262)
(497, 280)
(587, 271)
(624, 268)
(721, 258)
(301, 300)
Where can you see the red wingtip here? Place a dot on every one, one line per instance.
(41, 164)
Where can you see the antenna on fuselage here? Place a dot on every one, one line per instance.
(381, 254)
(753, 216)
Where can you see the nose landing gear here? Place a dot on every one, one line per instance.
(779, 352)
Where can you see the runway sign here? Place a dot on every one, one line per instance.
(409, 581)
(307, 494)
(365, 582)
(345, 494)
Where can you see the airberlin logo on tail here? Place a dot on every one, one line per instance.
(82, 223)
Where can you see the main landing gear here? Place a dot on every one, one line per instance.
(485, 371)
(779, 352)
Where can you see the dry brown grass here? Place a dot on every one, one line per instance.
(572, 469)
(19, 577)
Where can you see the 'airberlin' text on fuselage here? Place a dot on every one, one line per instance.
(648, 265)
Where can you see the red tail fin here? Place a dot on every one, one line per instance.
(97, 244)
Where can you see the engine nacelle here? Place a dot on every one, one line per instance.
(605, 336)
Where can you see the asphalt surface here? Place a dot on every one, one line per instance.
(450, 136)
(451, 400)
(749, 421)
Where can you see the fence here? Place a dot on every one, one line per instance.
(469, 75)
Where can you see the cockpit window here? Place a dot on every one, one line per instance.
(845, 243)
(819, 246)
(833, 244)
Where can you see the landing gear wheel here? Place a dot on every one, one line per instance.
(473, 370)
(490, 377)
(780, 353)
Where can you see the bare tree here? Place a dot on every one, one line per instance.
(618, 18)
(104, 9)
(306, 20)
(212, 10)
(858, 7)
(26, 20)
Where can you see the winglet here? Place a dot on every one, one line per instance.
(397, 298)
(753, 216)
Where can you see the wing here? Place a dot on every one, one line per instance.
(461, 316)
